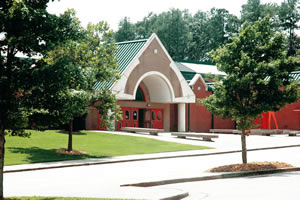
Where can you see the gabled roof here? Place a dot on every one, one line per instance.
(125, 54)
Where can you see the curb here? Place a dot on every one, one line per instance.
(176, 197)
(213, 177)
(142, 159)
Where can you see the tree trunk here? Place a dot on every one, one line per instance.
(2, 151)
(70, 142)
(244, 148)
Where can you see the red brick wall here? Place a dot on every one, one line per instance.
(200, 117)
(287, 118)
(223, 124)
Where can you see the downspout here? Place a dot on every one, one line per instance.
(189, 117)
(212, 117)
(212, 121)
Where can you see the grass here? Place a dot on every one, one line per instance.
(42, 146)
(57, 198)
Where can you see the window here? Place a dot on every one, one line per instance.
(127, 115)
(135, 115)
(199, 88)
(139, 96)
(147, 116)
(153, 115)
(159, 115)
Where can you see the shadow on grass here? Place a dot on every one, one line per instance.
(73, 133)
(28, 198)
(36, 155)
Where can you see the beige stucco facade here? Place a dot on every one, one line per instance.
(156, 74)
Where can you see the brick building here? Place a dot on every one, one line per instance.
(156, 92)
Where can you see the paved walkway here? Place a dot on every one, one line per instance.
(104, 177)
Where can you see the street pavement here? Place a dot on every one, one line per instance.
(282, 186)
(104, 179)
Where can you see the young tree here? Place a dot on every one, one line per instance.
(27, 29)
(257, 76)
(91, 59)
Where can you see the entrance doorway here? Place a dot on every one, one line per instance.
(153, 118)
(141, 117)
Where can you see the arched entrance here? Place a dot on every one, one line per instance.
(153, 94)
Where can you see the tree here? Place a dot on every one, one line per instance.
(257, 76)
(289, 15)
(27, 32)
(210, 30)
(126, 31)
(252, 11)
(90, 59)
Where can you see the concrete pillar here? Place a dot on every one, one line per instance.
(181, 117)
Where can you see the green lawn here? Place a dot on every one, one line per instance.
(58, 198)
(42, 146)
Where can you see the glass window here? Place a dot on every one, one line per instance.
(127, 115)
(139, 96)
(135, 115)
(147, 116)
(159, 115)
(153, 115)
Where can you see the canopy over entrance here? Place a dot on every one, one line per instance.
(153, 66)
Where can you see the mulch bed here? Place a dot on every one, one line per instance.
(252, 166)
(10, 199)
(74, 152)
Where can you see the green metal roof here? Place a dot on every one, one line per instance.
(295, 75)
(126, 52)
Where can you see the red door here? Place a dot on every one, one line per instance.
(147, 119)
(135, 117)
(100, 125)
(125, 122)
(156, 118)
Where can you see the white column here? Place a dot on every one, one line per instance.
(181, 117)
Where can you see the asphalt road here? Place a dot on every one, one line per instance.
(284, 186)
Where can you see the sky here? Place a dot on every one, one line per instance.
(112, 11)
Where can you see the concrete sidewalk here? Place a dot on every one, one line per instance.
(223, 145)
(103, 177)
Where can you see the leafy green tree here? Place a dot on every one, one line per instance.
(209, 31)
(126, 31)
(252, 11)
(109, 111)
(146, 27)
(27, 32)
(257, 76)
(91, 59)
(289, 15)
